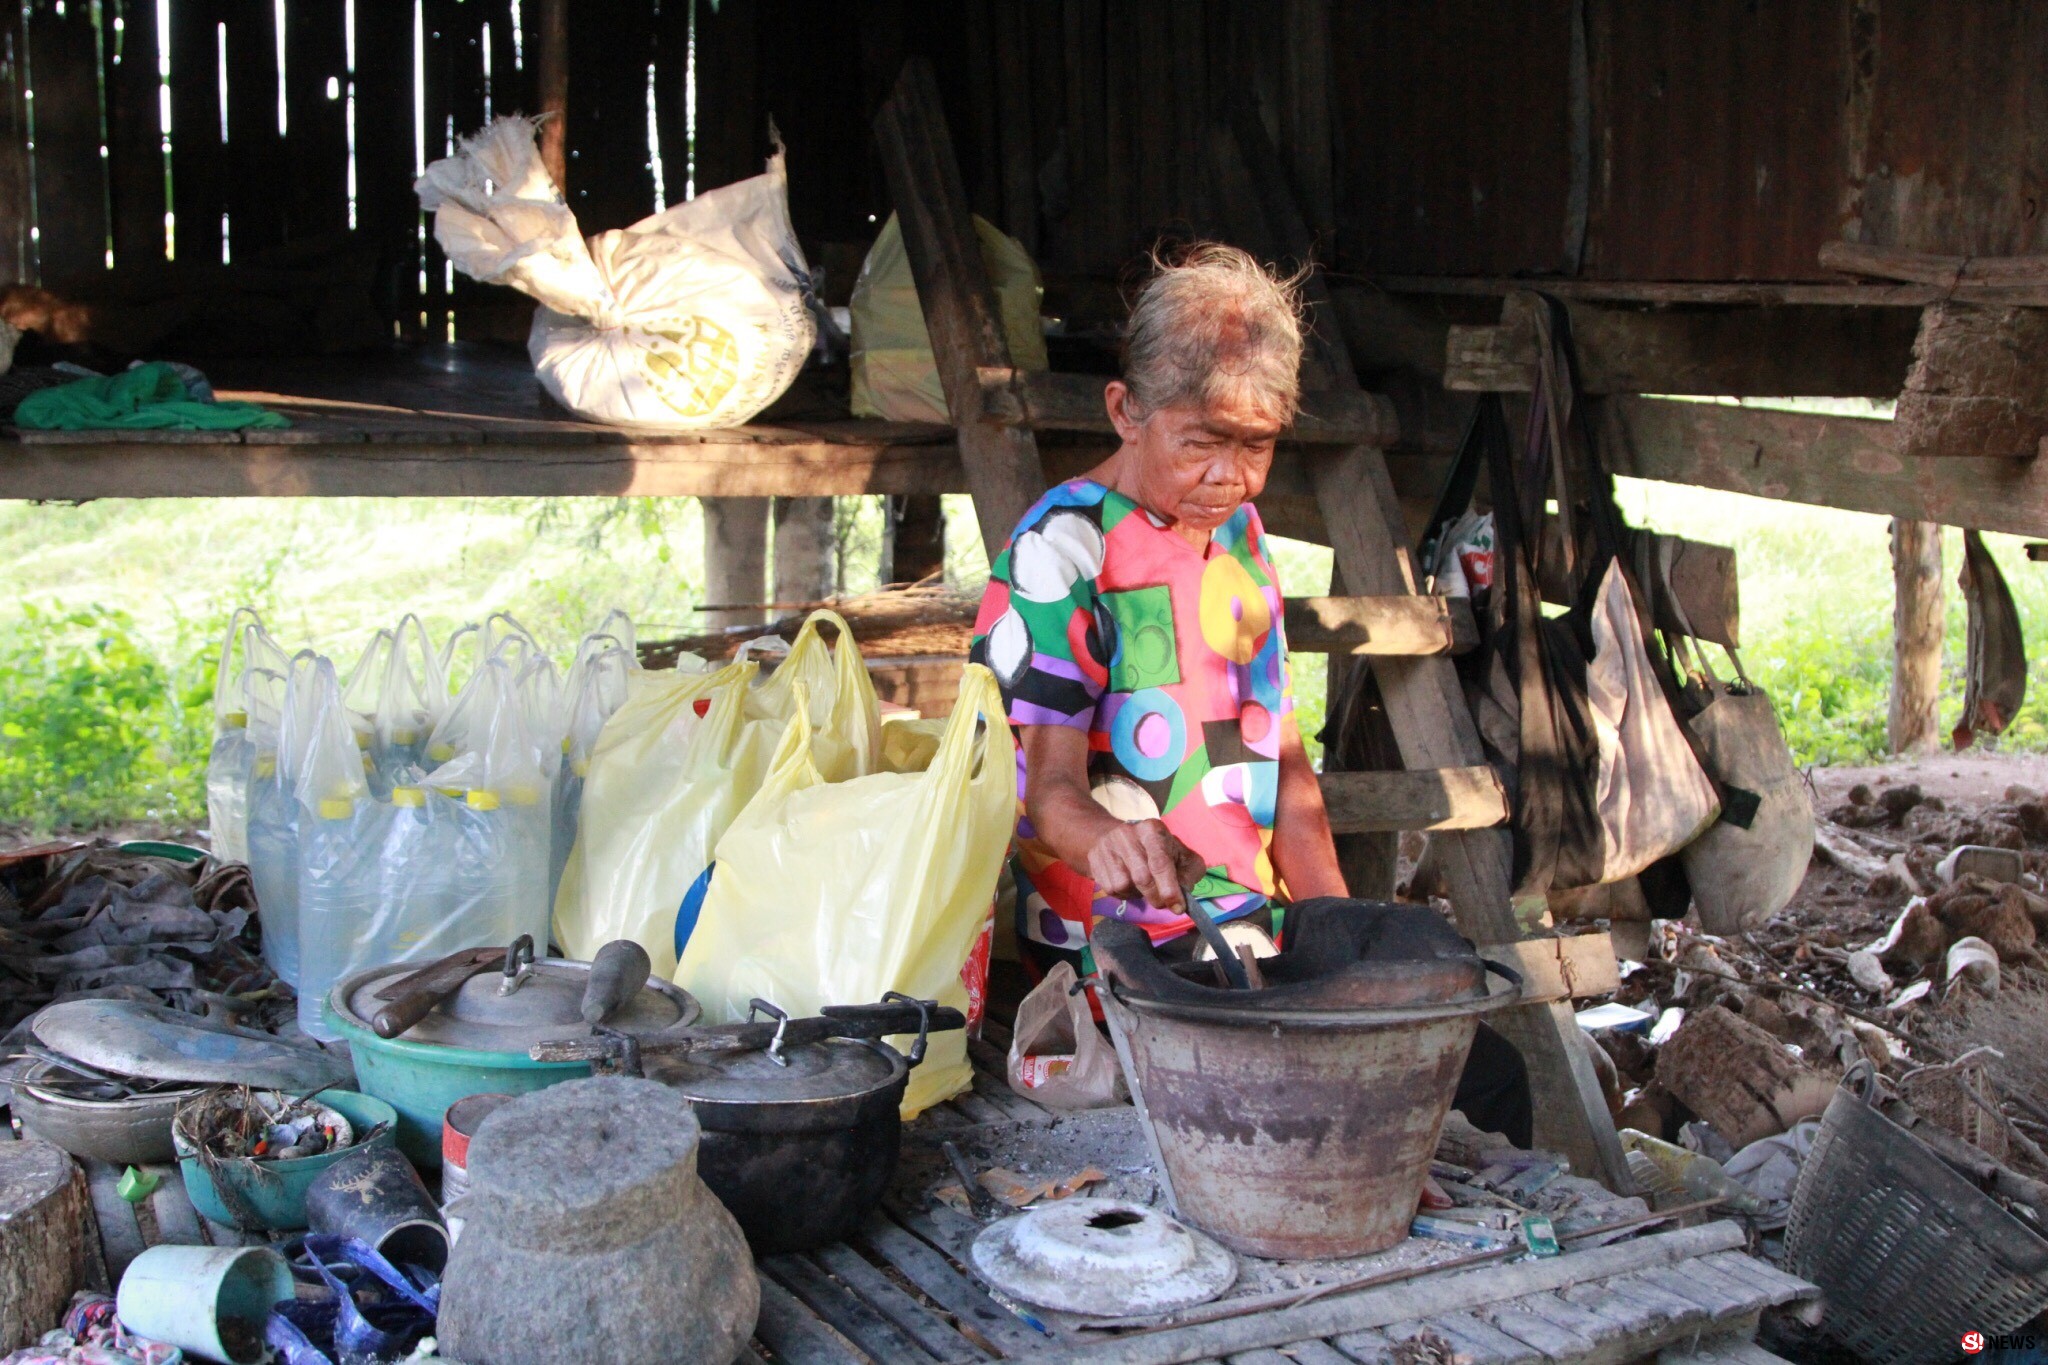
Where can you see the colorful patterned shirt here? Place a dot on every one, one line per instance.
(1172, 660)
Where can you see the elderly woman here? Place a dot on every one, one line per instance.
(1134, 623)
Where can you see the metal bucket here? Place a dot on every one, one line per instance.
(1296, 1134)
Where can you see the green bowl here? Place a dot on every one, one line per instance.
(275, 1191)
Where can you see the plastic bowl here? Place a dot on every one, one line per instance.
(275, 1191)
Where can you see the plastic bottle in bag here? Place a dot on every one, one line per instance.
(232, 758)
(341, 845)
(411, 701)
(596, 689)
(278, 746)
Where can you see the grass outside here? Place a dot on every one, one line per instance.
(107, 641)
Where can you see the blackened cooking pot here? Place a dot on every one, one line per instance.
(799, 1143)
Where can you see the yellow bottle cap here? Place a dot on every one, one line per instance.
(265, 766)
(412, 797)
(565, 744)
(580, 767)
(238, 719)
(479, 799)
(441, 753)
(363, 739)
(404, 736)
(337, 807)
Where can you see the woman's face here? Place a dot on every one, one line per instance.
(1192, 464)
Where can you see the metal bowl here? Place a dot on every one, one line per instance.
(131, 1132)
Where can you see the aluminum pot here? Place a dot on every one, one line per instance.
(799, 1144)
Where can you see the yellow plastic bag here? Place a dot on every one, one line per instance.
(894, 374)
(833, 893)
(678, 761)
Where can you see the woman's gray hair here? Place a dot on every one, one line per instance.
(1211, 325)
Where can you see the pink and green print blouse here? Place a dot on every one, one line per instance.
(1172, 659)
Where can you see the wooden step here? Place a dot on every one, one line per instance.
(1411, 625)
(1431, 798)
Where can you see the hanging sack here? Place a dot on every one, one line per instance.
(1995, 676)
(837, 892)
(1057, 1056)
(694, 318)
(678, 761)
(1747, 865)
(895, 376)
(1574, 711)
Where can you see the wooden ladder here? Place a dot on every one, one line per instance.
(1408, 637)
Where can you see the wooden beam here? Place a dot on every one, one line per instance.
(1424, 699)
(960, 311)
(1073, 402)
(1726, 351)
(1958, 275)
(1705, 599)
(1847, 462)
(1404, 624)
(1665, 292)
(1564, 967)
(1978, 384)
(1430, 798)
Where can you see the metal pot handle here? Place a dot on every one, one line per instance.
(1502, 969)
(924, 1021)
(518, 964)
(781, 1018)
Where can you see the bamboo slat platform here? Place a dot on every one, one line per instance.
(901, 1291)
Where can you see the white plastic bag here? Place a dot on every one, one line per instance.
(595, 691)
(693, 318)
(836, 892)
(414, 694)
(279, 756)
(341, 831)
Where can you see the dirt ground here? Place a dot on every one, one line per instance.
(1975, 777)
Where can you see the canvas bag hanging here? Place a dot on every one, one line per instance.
(1574, 709)
(1747, 865)
(836, 892)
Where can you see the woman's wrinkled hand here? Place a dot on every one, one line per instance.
(1143, 861)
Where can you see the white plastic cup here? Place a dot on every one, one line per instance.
(183, 1294)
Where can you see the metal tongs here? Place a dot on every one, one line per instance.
(1212, 934)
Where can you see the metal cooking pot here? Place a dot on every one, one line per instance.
(799, 1142)
(476, 1040)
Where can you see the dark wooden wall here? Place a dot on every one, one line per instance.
(1722, 139)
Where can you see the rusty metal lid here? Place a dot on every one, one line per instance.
(1102, 1257)
(832, 1069)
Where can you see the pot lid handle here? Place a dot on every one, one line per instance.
(924, 1021)
(518, 964)
(781, 1018)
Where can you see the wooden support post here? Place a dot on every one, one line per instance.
(735, 559)
(1423, 697)
(1912, 725)
(806, 560)
(960, 314)
(551, 67)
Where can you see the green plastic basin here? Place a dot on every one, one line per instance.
(275, 1191)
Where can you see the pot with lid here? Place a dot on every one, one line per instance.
(423, 1037)
(801, 1118)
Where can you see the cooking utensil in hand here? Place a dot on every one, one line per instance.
(1212, 934)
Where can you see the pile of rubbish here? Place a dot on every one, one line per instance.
(236, 1123)
(423, 802)
(148, 923)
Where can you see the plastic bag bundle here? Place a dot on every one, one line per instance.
(677, 762)
(834, 892)
(409, 705)
(895, 375)
(693, 318)
(229, 762)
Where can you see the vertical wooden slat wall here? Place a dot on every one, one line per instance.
(17, 261)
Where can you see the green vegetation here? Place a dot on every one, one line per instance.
(107, 640)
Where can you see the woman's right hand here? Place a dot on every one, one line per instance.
(1142, 860)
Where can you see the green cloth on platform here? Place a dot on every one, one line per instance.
(147, 397)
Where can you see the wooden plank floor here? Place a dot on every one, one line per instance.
(901, 1290)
